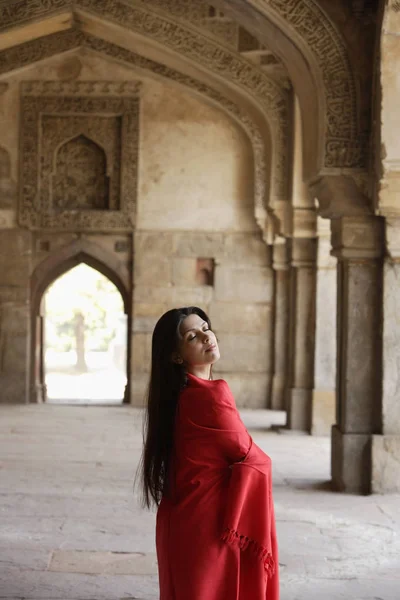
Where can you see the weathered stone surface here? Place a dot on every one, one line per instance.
(153, 294)
(152, 271)
(184, 272)
(199, 245)
(385, 464)
(14, 353)
(240, 318)
(8, 219)
(141, 352)
(351, 462)
(391, 345)
(250, 390)
(145, 316)
(299, 406)
(13, 387)
(103, 563)
(246, 249)
(323, 411)
(66, 491)
(360, 330)
(325, 330)
(200, 295)
(139, 386)
(15, 249)
(281, 330)
(247, 285)
(242, 352)
(153, 243)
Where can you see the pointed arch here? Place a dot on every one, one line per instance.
(79, 251)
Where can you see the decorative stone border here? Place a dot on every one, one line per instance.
(93, 100)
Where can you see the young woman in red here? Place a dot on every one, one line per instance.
(215, 533)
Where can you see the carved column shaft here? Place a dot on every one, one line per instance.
(302, 333)
(358, 244)
(281, 272)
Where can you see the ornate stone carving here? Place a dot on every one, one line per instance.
(73, 155)
(7, 185)
(183, 39)
(80, 180)
(346, 146)
(53, 44)
(70, 69)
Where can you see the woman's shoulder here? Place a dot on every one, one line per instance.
(205, 385)
(216, 390)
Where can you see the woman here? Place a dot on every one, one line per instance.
(215, 532)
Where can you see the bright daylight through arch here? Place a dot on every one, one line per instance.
(85, 339)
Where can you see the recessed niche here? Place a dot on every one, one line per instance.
(205, 271)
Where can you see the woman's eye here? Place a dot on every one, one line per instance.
(191, 338)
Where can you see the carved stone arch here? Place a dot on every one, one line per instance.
(303, 36)
(260, 137)
(241, 81)
(92, 138)
(90, 185)
(299, 32)
(79, 251)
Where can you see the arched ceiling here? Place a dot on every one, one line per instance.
(185, 54)
(248, 53)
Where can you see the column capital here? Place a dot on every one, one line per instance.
(357, 238)
(280, 255)
(304, 222)
(304, 252)
(392, 238)
(339, 196)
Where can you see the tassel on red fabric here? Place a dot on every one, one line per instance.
(230, 536)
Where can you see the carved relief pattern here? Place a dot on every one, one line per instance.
(50, 121)
(345, 147)
(212, 55)
(7, 185)
(104, 132)
(80, 179)
(61, 42)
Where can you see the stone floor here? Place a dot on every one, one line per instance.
(70, 527)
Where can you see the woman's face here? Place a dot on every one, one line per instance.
(198, 345)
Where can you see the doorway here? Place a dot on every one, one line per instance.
(83, 337)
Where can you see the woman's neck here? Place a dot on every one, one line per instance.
(201, 371)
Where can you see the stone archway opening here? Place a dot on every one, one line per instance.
(82, 346)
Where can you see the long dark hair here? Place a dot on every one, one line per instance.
(167, 379)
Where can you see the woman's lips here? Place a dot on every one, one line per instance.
(211, 347)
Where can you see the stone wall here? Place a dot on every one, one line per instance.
(239, 303)
(194, 203)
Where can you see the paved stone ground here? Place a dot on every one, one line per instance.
(70, 527)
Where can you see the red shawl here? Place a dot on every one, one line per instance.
(216, 537)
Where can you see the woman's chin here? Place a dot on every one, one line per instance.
(215, 357)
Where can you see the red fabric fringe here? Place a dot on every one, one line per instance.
(230, 536)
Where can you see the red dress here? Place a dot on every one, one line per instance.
(215, 533)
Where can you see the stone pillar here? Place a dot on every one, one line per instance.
(15, 257)
(281, 322)
(324, 400)
(386, 443)
(358, 244)
(302, 333)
